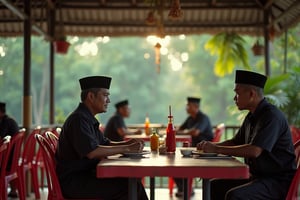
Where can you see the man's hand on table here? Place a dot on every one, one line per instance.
(206, 146)
(135, 145)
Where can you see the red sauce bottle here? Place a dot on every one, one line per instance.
(170, 140)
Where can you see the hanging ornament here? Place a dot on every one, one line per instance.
(157, 56)
(175, 11)
(151, 20)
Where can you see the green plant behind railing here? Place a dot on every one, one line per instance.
(283, 91)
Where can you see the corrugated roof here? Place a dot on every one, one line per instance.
(127, 18)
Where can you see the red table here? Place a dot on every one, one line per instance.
(172, 165)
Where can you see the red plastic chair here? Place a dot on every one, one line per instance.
(29, 162)
(54, 190)
(4, 148)
(297, 152)
(293, 190)
(295, 133)
(51, 139)
(13, 174)
(220, 129)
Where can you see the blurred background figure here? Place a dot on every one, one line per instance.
(116, 128)
(198, 126)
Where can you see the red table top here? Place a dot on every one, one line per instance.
(172, 165)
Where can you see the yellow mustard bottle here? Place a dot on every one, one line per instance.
(154, 141)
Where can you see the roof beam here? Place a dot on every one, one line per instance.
(286, 12)
(24, 16)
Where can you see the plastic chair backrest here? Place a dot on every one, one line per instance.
(52, 139)
(295, 133)
(54, 191)
(293, 190)
(297, 152)
(30, 150)
(15, 149)
(218, 132)
(4, 148)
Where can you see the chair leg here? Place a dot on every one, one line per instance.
(190, 182)
(42, 178)
(20, 188)
(35, 182)
(171, 186)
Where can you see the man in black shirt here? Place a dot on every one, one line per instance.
(264, 140)
(115, 128)
(82, 145)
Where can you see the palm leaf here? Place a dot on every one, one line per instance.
(229, 47)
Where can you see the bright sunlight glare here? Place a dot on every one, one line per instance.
(87, 48)
(2, 51)
(176, 65)
(184, 57)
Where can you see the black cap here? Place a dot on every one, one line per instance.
(2, 107)
(250, 78)
(121, 103)
(95, 82)
(193, 99)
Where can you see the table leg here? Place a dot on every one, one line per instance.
(185, 189)
(132, 188)
(152, 188)
(205, 189)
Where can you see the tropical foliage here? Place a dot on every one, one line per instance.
(230, 49)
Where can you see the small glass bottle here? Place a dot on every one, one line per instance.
(154, 140)
(147, 125)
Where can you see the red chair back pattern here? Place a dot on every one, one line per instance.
(220, 129)
(29, 161)
(4, 147)
(295, 133)
(52, 139)
(54, 191)
(11, 163)
(297, 152)
(293, 190)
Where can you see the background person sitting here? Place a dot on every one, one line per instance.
(115, 128)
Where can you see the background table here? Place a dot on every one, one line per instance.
(172, 165)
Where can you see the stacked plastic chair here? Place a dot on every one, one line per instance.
(29, 162)
(12, 173)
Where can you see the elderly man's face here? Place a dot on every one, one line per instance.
(242, 97)
(101, 101)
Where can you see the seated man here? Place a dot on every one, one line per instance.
(81, 146)
(115, 128)
(264, 140)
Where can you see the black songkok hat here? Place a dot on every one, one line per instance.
(2, 107)
(250, 78)
(95, 82)
(121, 103)
(193, 100)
